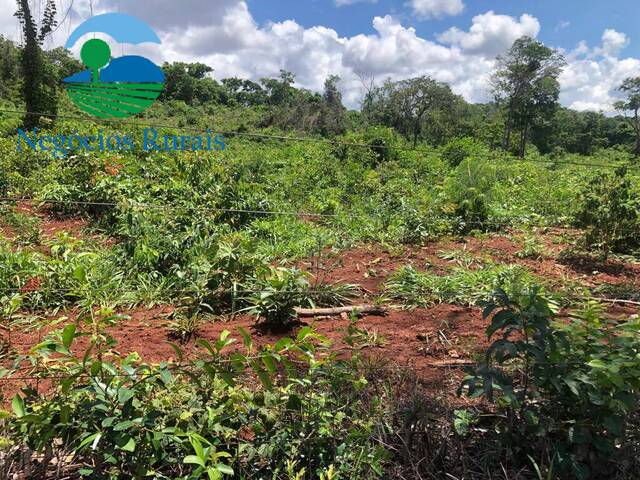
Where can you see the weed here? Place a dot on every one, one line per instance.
(463, 286)
(532, 247)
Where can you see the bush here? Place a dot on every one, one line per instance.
(469, 191)
(114, 419)
(459, 149)
(374, 146)
(564, 390)
(276, 293)
(610, 213)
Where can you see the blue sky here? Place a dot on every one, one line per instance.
(370, 41)
(564, 22)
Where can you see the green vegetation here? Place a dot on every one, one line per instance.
(610, 213)
(563, 390)
(251, 231)
(122, 417)
(462, 285)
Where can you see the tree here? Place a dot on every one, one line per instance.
(332, 114)
(631, 87)
(280, 91)
(526, 84)
(404, 105)
(39, 88)
(190, 83)
(244, 92)
(9, 68)
(63, 62)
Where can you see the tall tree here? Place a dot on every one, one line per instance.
(39, 89)
(280, 91)
(9, 68)
(526, 85)
(404, 105)
(631, 87)
(332, 114)
(190, 83)
(244, 92)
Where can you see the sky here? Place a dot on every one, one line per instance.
(364, 41)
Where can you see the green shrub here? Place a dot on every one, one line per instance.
(459, 149)
(121, 418)
(469, 192)
(610, 213)
(276, 292)
(565, 390)
(374, 146)
(532, 247)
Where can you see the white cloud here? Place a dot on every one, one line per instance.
(491, 34)
(592, 76)
(9, 26)
(437, 8)
(228, 38)
(613, 42)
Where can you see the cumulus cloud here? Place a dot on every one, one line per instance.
(613, 42)
(491, 34)
(592, 76)
(436, 8)
(225, 36)
(9, 27)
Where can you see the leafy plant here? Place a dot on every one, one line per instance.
(469, 193)
(610, 213)
(276, 293)
(531, 247)
(463, 286)
(463, 421)
(569, 387)
(459, 149)
(119, 418)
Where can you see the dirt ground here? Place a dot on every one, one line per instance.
(433, 342)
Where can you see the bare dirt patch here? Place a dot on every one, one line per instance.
(434, 342)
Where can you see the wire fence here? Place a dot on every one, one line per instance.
(288, 138)
(456, 222)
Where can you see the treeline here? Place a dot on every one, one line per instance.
(525, 110)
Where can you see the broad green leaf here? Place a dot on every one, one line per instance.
(124, 395)
(246, 339)
(68, 334)
(225, 469)
(18, 406)
(194, 460)
(130, 446)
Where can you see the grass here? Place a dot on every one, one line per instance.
(463, 286)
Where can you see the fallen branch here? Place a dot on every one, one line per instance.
(451, 363)
(327, 312)
(617, 300)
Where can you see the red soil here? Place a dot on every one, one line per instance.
(434, 342)
(51, 225)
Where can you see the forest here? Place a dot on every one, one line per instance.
(419, 288)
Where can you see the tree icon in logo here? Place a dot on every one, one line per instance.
(114, 87)
(95, 54)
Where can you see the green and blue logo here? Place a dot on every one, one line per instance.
(114, 87)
